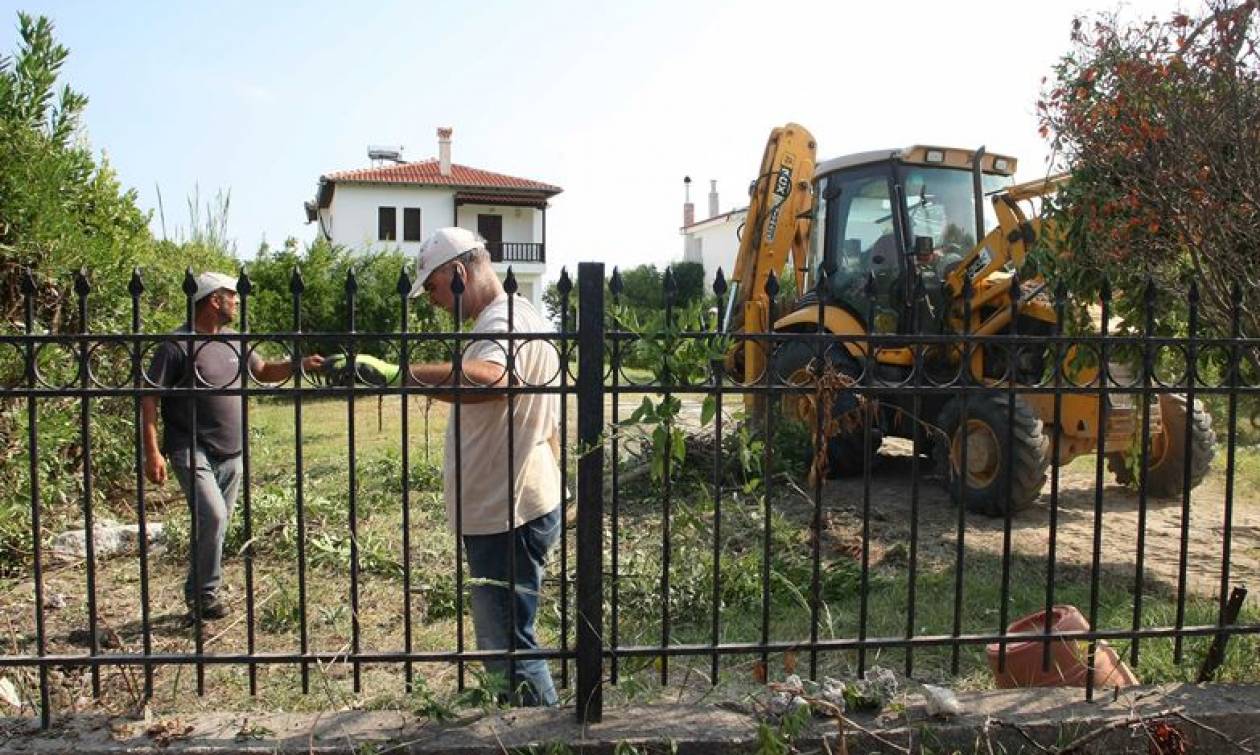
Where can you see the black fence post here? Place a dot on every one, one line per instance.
(590, 551)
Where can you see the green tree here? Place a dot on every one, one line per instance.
(61, 209)
(641, 287)
(689, 278)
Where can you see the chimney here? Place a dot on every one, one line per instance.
(444, 149)
(713, 199)
(689, 209)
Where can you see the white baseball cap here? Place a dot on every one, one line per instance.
(208, 283)
(443, 246)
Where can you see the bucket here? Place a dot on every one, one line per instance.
(1068, 658)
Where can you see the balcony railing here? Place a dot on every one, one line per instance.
(517, 251)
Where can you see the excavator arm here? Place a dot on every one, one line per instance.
(1010, 240)
(778, 224)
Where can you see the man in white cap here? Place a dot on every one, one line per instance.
(494, 519)
(202, 436)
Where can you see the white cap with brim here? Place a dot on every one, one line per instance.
(443, 246)
(208, 283)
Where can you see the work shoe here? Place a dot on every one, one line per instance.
(211, 608)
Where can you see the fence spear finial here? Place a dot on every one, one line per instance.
(135, 286)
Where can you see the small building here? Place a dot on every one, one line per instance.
(714, 241)
(397, 204)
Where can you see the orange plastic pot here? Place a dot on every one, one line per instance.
(1067, 667)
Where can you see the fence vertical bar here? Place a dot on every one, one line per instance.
(404, 368)
(135, 287)
(818, 467)
(1012, 378)
(296, 287)
(457, 405)
(668, 289)
(352, 290)
(243, 289)
(614, 598)
(190, 456)
(912, 578)
(82, 288)
(1104, 378)
(564, 286)
(1052, 545)
(869, 365)
(718, 369)
(1192, 342)
(960, 545)
(1231, 443)
(32, 424)
(767, 472)
(1148, 368)
(590, 387)
(509, 287)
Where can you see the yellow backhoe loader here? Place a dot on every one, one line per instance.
(926, 243)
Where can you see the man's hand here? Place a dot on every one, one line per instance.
(366, 370)
(155, 468)
(313, 363)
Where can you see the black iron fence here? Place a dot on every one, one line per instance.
(706, 530)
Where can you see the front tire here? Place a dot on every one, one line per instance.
(995, 444)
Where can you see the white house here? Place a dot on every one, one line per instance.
(396, 204)
(714, 241)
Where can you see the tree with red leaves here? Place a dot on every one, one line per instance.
(1158, 122)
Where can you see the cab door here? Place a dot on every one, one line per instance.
(862, 237)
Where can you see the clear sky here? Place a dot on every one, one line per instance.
(614, 102)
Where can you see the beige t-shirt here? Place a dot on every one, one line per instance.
(483, 426)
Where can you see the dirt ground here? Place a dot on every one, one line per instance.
(891, 508)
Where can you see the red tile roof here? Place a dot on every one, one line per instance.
(427, 173)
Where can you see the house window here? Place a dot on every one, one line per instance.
(411, 224)
(387, 223)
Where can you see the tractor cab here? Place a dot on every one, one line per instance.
(900, 216)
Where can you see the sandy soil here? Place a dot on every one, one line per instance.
(1030, 529)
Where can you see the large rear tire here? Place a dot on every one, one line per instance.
(995, 445)
(1166, 458)
(845, 451)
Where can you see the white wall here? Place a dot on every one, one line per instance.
(351, 219)
(716, 244)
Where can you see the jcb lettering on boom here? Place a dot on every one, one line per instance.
(782, 188)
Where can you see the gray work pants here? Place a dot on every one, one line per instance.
(217, 481)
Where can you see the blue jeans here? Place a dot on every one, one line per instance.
(217, 481)
(488, 559)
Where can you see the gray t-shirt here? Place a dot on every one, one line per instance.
(218, 419)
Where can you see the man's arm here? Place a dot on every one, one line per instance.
(154, 464)
(475, 373)
(276, 372)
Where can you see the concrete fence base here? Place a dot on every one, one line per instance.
(1214, 718)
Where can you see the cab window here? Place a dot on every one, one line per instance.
(859, 222)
